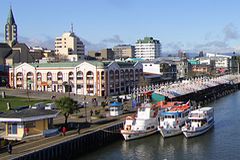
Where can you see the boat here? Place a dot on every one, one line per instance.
(142, 124)
(172, 120)
(200, 121)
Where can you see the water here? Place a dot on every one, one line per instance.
(221, 142)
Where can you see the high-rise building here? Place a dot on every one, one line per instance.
(10, 30)
(69, 47)
(148, 48)
(124, 51)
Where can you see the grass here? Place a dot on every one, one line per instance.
(18, 101)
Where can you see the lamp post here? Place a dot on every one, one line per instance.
(85, 108)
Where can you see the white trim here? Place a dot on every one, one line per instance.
(27, 119)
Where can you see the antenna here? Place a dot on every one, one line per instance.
(72, 27)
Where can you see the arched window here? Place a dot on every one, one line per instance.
(102, 75)
(79, 75)
(111, 75)
(19, 76)
(59, 76)
(29, 76)
(49, 76)
(116, 74)
(70, 76)
(90, 75)
(39, 76)
(126, 74)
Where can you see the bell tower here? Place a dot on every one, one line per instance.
(11, 30)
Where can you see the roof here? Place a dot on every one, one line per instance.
(202, 109)
(4, 45)
(148, 40)
(27, 115)
(98, 64)
(10, 19)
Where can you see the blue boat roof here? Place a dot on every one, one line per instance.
(164, 113)
(115, 104)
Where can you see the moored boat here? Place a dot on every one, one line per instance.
(200, 121)
(173, 119)
(143, 124)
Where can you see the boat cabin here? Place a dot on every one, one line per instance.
(26, 123)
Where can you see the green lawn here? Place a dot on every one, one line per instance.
(18, 101)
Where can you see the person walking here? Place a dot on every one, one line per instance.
(79, 128)
(91, 112)
(9, 148)
(64, 129)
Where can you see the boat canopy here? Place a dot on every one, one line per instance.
(167, 113)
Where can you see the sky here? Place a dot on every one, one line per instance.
(188, 25)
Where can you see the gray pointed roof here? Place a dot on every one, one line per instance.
(10, 19)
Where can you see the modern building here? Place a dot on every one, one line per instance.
(165, 69)
(148, 48)
(82, 77)
(124, 51)
(69, 47)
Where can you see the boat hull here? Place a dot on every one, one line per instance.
(170, 132)
(190, 133)
(131, 135)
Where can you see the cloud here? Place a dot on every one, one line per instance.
(92, 46)
(46, 42)
(114, 40)
(230, 32)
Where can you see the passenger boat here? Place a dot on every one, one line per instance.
(200, 121)
(172, 120)
(143, 124)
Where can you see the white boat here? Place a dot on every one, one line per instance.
(143, 124)
(200, 121)
(172, 120)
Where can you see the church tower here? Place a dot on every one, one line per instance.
(11, 30)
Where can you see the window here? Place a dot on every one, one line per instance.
(70, 76)
(49, 76)
(79, 75)
(59, 76)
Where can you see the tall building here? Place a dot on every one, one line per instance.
(69, 47)
(124, 51)
(148, 48)
(10, 30)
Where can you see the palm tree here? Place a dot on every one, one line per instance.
(67, 106)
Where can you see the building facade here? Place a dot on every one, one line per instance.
(148, 48)
(104, 54)
(124, 51)
(83, 77)
(69, 47)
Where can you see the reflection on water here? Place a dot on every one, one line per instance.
(221, 142)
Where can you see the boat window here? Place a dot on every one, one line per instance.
(152, 127)
(148, 128)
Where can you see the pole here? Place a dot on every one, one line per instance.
(85, 107)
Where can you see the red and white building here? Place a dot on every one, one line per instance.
(82, 77)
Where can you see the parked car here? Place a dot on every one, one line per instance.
(50, 106)
(40, 105)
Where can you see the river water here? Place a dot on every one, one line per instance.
(220, 143)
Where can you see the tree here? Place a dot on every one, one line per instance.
(67, 106)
